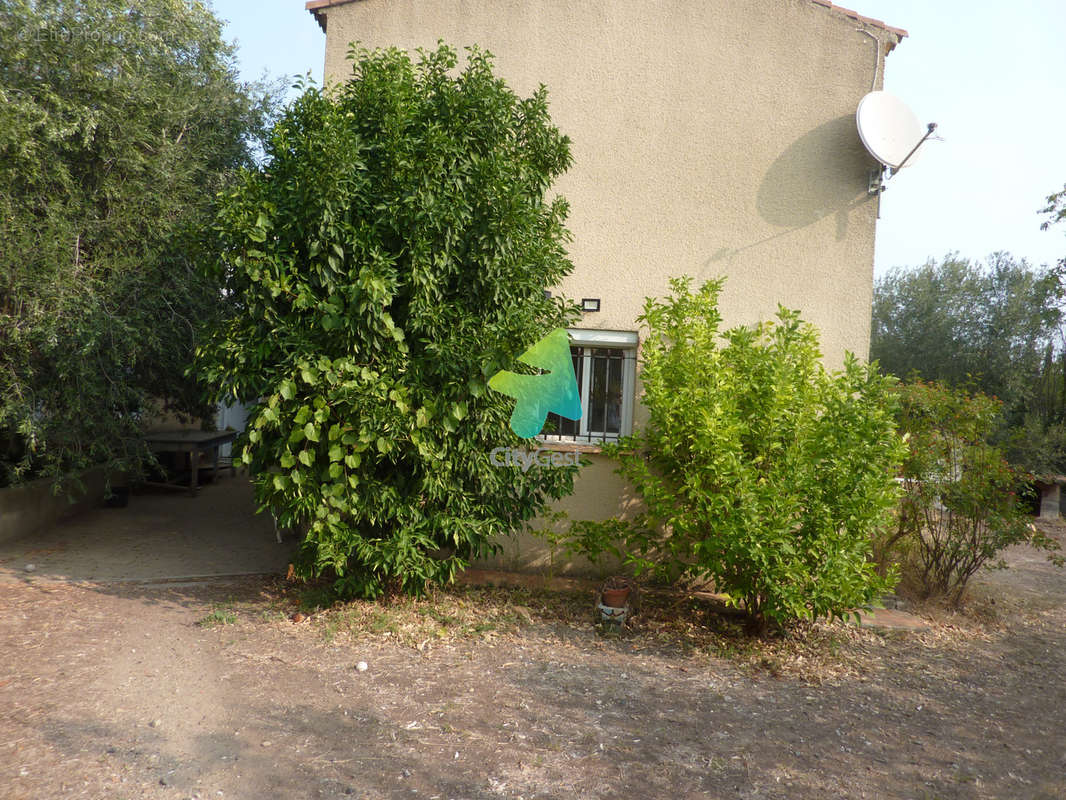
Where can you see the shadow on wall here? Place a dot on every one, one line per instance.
(823, 172)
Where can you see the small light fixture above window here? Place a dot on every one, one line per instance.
(590, 304)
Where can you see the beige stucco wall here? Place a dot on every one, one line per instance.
(710, 137)
(598, 494)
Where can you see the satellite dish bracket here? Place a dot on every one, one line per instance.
(876, 177)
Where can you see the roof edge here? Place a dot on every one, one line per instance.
(317, 8)
(899, 33)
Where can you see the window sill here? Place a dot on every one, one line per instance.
(570, 447)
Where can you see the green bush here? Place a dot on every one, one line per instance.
(758, 468)
(962, 501)
(392, 255)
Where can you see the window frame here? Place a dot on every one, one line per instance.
(589, 340)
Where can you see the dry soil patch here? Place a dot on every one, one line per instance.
(120, 691)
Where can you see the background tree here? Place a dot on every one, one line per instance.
(993, 327)
(391, 255)
(119, 123)
(1055, 209)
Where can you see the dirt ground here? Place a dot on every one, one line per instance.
(210, 690)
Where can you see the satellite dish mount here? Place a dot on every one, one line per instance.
(877, 176)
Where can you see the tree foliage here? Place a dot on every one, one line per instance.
(961, 503)
(759, 469)
(995, 328)
(391, 255)
(118, 124)
(1055, 209)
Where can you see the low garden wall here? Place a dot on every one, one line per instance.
(30, 507)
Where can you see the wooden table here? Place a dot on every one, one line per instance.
(194, 443)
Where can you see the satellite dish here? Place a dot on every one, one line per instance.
(890, 130)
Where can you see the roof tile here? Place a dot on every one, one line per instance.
(855, 15)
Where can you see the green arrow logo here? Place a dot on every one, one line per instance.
(555, 391)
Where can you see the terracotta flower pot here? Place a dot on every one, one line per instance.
(615, 598)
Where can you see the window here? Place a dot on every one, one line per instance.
(605, 368)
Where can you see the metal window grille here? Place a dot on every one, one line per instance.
(605, 377)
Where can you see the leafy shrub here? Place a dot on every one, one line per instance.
(759, 469)
(961, 504)
(599, 543)
(391, 255)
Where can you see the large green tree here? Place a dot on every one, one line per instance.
(119, 123)
(391, 255)
(993, 327)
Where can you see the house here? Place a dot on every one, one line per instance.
(710, 137)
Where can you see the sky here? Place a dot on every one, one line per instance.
(991, 74)
(278, 38)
